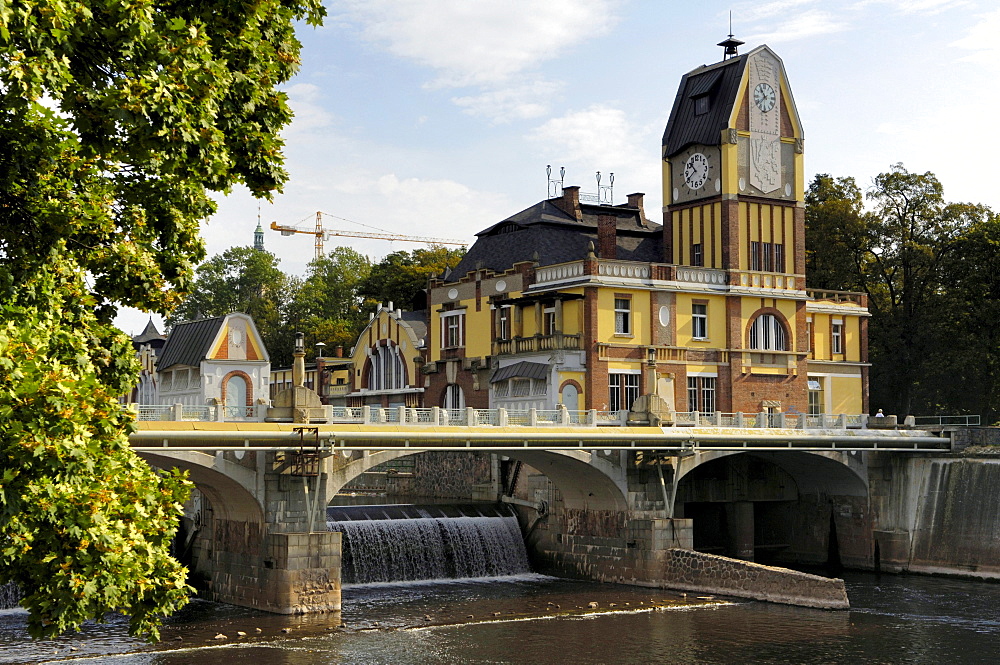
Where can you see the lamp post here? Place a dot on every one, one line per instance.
(320, 366)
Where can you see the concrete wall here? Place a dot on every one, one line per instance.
(706, 573)
(244, 564)
(936, 515)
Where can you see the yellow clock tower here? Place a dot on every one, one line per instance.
(734, 221)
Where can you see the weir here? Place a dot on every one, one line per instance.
(408, 543)
(618, 504)
(10, 594)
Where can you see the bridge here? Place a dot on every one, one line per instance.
(617, 501)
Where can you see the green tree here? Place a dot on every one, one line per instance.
(116, 121)
(965, 374)
(835, 226)
(242, 279)
(922, 261)
(402, 277)
(912, 231)
(329, 307)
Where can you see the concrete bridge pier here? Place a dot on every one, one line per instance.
(248, 540)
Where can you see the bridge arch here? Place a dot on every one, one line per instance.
(777, 506)
(586, 480)
(230, 487)
(817, 471)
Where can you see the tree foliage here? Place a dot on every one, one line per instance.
(85, 526)
(401, 277)
(921, 260)
(834, 231)
(329, 304)
(241, 279)
(116, 120)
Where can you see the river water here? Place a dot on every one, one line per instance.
(535, 619)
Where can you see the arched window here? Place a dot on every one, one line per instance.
(386, 371)
(236, 397)
(768, 334)
(454, 398)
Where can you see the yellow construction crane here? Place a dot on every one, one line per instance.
(322, 233)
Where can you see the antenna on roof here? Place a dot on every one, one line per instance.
(730, 45)
(555, 187)
(606, 194)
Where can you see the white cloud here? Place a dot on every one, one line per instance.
(751, 11)
(806, 24)
(598, 135)
(925, 7)
(477, 43)
(306, 102)
(981, 40)
(519, 102)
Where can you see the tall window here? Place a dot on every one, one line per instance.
(623, 316)
(549, 321)
(837, 337)
(815, 397)
(452, 329)
(623, 390)
(701, 393)
(767, 256)
(697, 259)
(503, 317)
(386, 371)
(809, 333)
(699, 321)
(767, 334)
(454, 398)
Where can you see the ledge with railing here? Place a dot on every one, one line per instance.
(199, 413)
(559, 417)
(536, 343)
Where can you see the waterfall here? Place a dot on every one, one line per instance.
(430, 547)
(10, 595)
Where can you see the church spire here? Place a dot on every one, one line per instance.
(258, 235)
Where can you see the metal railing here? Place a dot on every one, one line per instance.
(942, 421)
(560, 417)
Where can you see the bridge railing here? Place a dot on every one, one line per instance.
(435, 416)
(941, 421)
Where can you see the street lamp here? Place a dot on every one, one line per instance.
(320, 366)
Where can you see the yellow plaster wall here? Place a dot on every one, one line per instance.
(606, 316)
(716, 321)
(845, 394)
(478, 329)
(572, 317)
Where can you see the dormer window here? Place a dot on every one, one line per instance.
(701, 105)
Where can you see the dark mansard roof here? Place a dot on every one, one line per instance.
(720, 83)
(557, 237)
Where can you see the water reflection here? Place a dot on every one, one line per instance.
(537, 619)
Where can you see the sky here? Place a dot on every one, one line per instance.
(438, 117)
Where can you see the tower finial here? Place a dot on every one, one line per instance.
(258, 234)
(730, 45)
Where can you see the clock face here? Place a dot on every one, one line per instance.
(763, 97)
(696, 171)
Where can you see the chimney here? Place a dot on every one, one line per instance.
(635, 201)
(607, 241)
(338, 351)
(571, 202)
